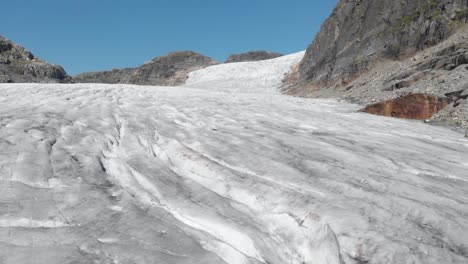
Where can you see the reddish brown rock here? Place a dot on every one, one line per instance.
(413, 106)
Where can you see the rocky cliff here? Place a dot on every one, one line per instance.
(18, 65)
(253, 56)
(380, 53)
(360, 32)
(169, 70)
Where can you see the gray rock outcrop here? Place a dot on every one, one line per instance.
(169, 70)
(253, 56)
(18, 65)
(111, 77)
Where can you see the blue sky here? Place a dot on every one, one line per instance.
(90, 35)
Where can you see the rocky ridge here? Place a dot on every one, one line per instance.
(253, 56)
(110, 77)
(18, 65)
(169, 70)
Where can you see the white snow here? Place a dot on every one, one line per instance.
(214, 176)
(245, 77)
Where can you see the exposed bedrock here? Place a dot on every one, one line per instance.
(414, 106)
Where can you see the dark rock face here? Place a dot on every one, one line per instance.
(253, 56)
(19, 65)
(360, 32)
(169, 70)
(414, 106)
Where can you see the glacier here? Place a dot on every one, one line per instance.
(223, 170)
(260, 77)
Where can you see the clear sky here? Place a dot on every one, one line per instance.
(90, 35)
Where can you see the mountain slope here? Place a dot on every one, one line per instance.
(19, 65)
(169, 70)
